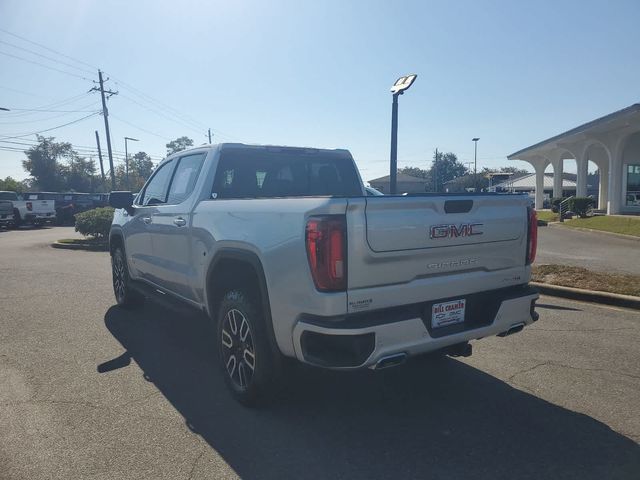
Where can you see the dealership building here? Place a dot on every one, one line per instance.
(611, 142)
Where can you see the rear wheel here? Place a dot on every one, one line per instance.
(249, 363)
(126, 296)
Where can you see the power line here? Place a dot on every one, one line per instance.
(46, 119)
(43, 65)
(79, 148)
(45, 57)
(49, 49)
(140, 128)
(52, 128)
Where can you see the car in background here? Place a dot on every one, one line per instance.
(68, 204)
(28, 209)
(6, 213)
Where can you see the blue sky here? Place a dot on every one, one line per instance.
(317, 73)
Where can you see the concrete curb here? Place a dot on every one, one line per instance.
(86, 248)
(591, 230)
(607, 298)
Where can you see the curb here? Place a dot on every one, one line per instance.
(86, 248)
(593, 296)
(591, 230)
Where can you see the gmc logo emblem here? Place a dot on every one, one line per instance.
(455, 231)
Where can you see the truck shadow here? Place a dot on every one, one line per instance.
(436, 419)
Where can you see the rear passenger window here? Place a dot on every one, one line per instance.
(184, 179)
(264, 173)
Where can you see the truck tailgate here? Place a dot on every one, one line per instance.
(442, 244)
(42, 206)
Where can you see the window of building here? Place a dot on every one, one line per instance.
(633, 186)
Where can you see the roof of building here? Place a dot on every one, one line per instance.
(402, 177)
(630, 110)
(529, 182)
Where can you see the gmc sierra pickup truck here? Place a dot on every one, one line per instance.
(28, 209)
(289, 257)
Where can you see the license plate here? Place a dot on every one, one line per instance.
(447, 313)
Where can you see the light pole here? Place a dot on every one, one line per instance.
(475, 161)
(5, 109)
(126, 158)
(399, 87)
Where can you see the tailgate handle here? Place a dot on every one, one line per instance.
(458, 206)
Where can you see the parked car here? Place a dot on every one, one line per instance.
(68, 204)
(289, 257)
(28, 210)
(6, 213)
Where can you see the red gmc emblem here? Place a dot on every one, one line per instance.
(455, 231)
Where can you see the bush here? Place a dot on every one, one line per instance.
(555, 204)
(95, 223)
(581, 205)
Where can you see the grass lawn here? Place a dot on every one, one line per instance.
(625, 225)
(578, 277)
(547, 216)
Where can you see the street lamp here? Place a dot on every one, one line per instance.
(126, 157)
(475, 161)
(5, 109)
(398, 88)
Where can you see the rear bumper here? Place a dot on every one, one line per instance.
(361, 340)
(39, 217)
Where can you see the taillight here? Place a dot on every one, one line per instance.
(29, 206)
(326, 241)
(532, 237)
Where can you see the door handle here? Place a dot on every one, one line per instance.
(179, 222)
(146, 220)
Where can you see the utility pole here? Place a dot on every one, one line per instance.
(105, 114)
(100, 157)
(435, 176)
(209, 136)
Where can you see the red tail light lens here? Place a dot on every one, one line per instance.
(532, 237)
(29, 206)
(326, 241)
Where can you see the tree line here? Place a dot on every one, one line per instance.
(447, 173)
(56, 167)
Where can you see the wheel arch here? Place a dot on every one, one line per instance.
(246, 266)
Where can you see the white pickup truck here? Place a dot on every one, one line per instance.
(30, 210)
(289, 257)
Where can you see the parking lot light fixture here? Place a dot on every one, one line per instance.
(400, 86)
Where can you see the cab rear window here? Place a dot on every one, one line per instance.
(284, 173)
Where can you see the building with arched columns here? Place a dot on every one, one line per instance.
(611, 142)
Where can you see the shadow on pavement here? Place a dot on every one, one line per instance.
(428, 419)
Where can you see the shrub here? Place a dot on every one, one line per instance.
(555, 204)
(581, 205)
(95, 223)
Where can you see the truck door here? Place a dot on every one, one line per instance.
(170, 229)
(138, 244)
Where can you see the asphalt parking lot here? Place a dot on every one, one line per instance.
(590, 250)
(88, 391)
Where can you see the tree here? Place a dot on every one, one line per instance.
(140, 169)
(179, 144)
(42, 162)
(79, 174)
(414, 172)
(12, 185)
(445, 167)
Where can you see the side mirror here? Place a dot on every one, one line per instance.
(122, 200)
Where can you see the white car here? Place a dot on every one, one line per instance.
(28, 210)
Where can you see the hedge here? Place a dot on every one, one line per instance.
(95, 223)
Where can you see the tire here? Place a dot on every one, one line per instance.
(17, 221)
(248, 360)
(125, 295)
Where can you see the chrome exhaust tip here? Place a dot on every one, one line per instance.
(391, 361)
(515, 328)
